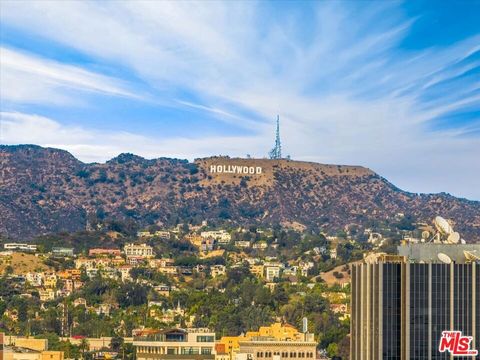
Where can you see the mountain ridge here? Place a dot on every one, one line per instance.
(45, 190)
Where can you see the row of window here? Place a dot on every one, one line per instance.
(173, 351)
(205, 338)
(285, 354)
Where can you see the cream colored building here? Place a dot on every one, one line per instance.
(222, 236)
(138, 250)
(275, 342)
(262, 348)
(26, 342)
(46, 294)
(272, 272)
(187, 344)
(23, 353)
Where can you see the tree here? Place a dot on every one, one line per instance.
(131, 294)
(84, 346)
(332, 349)
(8, 270)
(116, 343)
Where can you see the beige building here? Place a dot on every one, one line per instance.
(187, 344)
(46, 294)
(26, 342)
(22, 353)
(275, 342)
(272, 272)
(263, 348)
(222, 236)
(138, 250)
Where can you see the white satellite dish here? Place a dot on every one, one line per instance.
(470, 256)
(442, 225)
(444, 258)
(462, 241)
(453, 238)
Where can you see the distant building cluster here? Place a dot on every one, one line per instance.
(278, 341)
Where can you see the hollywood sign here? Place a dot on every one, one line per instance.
(236, 169)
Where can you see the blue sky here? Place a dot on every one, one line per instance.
(393, 86)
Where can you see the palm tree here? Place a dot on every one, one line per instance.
(83, 347)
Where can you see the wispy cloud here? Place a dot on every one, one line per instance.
(346, 90)
(26, 78)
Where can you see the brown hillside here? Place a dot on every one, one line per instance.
(47, 190)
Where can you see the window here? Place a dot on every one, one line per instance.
(205, 338)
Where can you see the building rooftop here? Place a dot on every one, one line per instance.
(429, 252)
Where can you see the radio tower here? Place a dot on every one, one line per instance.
(276, 152)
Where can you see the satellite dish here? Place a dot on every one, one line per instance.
(470, 256)
(462, 241)
(453, 238)
(425, 234)
(442, 225)
(444, 258)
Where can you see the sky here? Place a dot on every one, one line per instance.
(392, 86)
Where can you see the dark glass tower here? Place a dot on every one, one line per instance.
(400, 309)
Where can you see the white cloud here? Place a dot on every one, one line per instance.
(93, 145)
(26, 78)
(344, 91)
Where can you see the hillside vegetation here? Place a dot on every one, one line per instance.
(44, 190)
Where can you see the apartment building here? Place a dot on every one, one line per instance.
(138, 250)
(183, 344)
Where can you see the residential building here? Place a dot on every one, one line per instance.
(341, 310)
(80, 302)
(46, 294)
(162, 234)
(169, 270)
(125, 272)
(20, 246)
(50, 280)
(144, 234)
(242, 244)
(104, 252)
(272, 271)
(261, 245)
(217, 270)
(34, 278)
(138, 250)
(135, 260)
(257, 270)
(164, 262)
(194, 344)
(162, 289)
(62, 251)
(305, 267)
(222, 236)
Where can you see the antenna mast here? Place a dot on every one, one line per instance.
(276, 152)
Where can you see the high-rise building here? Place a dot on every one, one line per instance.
(401, 305)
